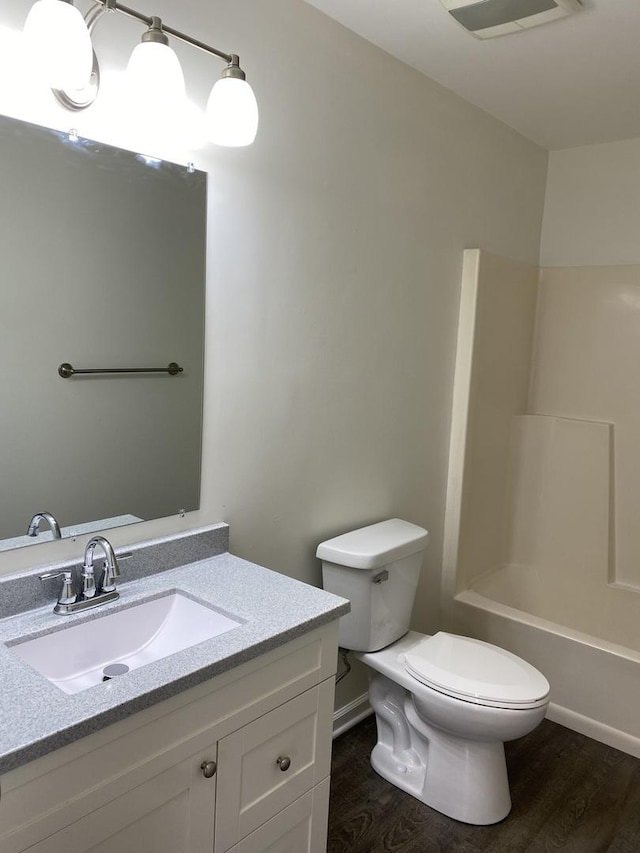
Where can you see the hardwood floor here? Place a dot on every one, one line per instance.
(570, 795)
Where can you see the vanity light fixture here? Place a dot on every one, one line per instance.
(154, 71)
(59, 44)
(59, 40)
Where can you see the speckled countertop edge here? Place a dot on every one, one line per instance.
(36, 717)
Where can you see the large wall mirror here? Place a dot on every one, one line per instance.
(102, 260)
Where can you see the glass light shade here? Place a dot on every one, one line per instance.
(232, 113)
(155, 76)
(59, 44)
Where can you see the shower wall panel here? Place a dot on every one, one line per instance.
(495, 336)
(585, 367)
(559, 501)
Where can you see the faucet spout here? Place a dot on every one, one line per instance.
(32, 530)
(111, 568)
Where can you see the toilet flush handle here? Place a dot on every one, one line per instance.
(381, 577)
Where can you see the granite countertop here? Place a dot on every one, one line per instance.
(37, 717)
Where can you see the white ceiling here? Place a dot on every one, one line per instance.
(572, 82)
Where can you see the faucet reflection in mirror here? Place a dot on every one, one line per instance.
(58, 39)
(34, 524)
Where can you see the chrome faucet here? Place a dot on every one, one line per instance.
(91, 595)
(51, 521)
(111, 567)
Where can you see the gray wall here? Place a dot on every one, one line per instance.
(335, 254)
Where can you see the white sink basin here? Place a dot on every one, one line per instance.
(74, 658)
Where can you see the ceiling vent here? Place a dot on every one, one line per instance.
(488, 18)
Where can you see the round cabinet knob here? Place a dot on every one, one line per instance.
(284, 763)
(208, 769)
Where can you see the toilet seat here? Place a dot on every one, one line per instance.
(477, 672)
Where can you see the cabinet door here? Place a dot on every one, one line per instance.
(271, 762)
(170, 813)
(300, 828)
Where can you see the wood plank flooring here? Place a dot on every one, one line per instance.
(570, 795)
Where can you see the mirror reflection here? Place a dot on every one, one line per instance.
(102, 257)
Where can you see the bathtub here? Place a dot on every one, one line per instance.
(595, 683)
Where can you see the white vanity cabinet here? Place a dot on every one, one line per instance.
(147, 783)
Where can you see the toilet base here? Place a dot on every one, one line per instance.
(463, 779)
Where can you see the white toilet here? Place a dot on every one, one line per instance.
(444, 704)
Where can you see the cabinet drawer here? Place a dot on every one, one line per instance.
(271, 762)
(300, 828)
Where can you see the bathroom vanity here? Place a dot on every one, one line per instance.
(224, 746)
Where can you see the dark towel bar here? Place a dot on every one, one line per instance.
(66, 371)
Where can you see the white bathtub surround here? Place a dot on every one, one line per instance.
(560, 519)
(495, 341)
(592, 206)
(587, 352)
(542, 544)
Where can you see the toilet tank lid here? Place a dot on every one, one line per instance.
(374, 546)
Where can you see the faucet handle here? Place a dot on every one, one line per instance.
(112, 571)
(109, 576)
(68, 594)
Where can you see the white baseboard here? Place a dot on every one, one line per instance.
(347, 716)
(594, 729)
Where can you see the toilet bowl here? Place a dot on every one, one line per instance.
(438, 741)
(444, 704)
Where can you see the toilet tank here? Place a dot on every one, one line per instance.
(377, 569)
